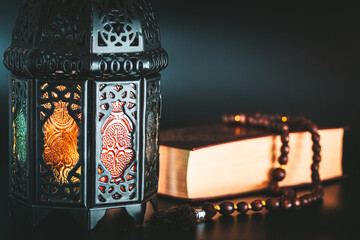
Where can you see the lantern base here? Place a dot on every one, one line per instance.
(87, 217)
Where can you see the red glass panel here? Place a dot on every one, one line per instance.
(117, 152)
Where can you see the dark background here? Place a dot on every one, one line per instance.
(291, 57)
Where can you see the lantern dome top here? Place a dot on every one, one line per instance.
(85, 38)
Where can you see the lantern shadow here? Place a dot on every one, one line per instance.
(62, 223)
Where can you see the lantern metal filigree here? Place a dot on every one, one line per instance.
(85, 106)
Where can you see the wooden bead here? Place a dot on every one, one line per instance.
(242, 207)
(314, 197)
(315, 167)
(278, 174)
(226, 208)
(286, 204)
(257, 205)
(308, 198)
(313, 128)
(285, 149)
(209, 210)
(266, 123)
(272, 204)
(317, 157)
(296, 203)
(250, 120)
(316, 148)
(283, 159)
(283, 127)
(304, 201)
(274, 188)
(285, 138)
(315, 177)
(315, 138)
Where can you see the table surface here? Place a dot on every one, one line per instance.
(334, 218)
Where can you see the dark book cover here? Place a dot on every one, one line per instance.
(195, 137)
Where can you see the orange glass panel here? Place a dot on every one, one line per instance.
(42, 115)
(61, 137)
(61, 88)
(44, 86)
(76, 96)
(45, 96)
(47, 105)
(75, 106)
(54, 94)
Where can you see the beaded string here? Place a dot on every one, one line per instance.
(281, 198)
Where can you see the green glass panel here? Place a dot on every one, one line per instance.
(20, 129)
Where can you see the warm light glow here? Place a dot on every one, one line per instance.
(263, 203)
(237, 118)
(284, 119)
(61, 137)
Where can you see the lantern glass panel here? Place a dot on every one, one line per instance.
(19, 147)
(61, 155)
(117, 141)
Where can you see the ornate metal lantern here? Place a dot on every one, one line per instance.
(84, 107)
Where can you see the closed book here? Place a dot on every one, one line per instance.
(216, 161)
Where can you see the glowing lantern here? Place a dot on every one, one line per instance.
(85, 107)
